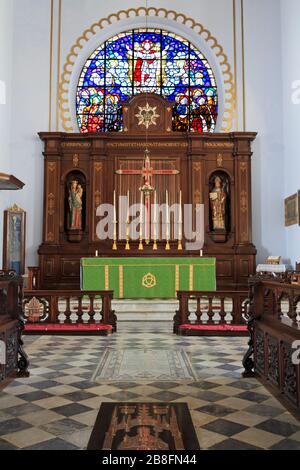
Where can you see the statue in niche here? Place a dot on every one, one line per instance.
(218, 198)
(75, 205)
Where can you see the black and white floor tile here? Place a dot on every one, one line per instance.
(56, 407)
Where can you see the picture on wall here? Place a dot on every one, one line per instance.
(291, 210)
(14, 239)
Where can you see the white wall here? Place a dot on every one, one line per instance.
(30, 111)
(290, 10)
(264, 114)
(30, 108)
(6, 48)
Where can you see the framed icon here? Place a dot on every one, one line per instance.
(291, 210)
(14, 228)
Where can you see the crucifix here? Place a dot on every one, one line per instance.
(147, 172)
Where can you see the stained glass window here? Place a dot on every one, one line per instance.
(152, 61)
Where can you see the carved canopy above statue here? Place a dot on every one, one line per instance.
(213, 169)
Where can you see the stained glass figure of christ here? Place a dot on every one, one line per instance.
(152, 61)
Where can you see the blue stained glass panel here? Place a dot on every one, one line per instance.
(152, 61)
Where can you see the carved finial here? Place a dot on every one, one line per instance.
(15, 208)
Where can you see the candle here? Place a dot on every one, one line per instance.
(154, 218)
(167, 204)
(167, 216)
(115, 205)
(127, 216)
(180, 217)
(201, 253)
(141, 216)
(155, 214)
(115, 217)
(180, 207)
(96, 254)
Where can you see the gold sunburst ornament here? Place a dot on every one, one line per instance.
(147, 116)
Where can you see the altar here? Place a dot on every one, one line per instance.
(148, 278)
(171, 196)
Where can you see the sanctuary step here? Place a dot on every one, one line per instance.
(145, 309)
(154, 309)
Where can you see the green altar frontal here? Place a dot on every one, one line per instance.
(148, 278)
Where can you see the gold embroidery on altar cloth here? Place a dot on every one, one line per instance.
(121, 291)
(176, 279)
(191, 278)
(149, 281)
(106, 275)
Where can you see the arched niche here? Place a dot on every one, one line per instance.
(75, 205)
(219, 206)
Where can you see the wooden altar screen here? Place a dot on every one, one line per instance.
(93, 160)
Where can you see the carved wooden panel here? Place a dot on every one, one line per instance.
(245, 267)
(70, 267)
(49, 267)
(259, 351)
(11, 351)
(273, 359)
(225, 268)
(98, 156)
(244, 201)
(52, 203)
(289, 371)
(147, 113)
(97, 194)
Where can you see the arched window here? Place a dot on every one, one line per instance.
(147, 61)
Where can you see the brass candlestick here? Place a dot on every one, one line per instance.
(141, 246)
(168, 245)
(115, 247)
(127, 246)
(179, 247)
(154, 245)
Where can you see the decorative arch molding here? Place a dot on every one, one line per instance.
(159, 15)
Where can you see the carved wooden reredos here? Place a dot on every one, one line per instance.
(92, 160)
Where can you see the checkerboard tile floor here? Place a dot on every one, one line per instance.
(56, 407)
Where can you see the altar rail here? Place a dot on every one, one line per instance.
(222, 308)
(69, 307)
(274, 325)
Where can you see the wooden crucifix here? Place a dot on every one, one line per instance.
(147, 172)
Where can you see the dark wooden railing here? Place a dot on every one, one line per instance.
(211, 308)
(274, 326)
(69, 307)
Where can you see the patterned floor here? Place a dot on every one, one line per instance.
(56, 407)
